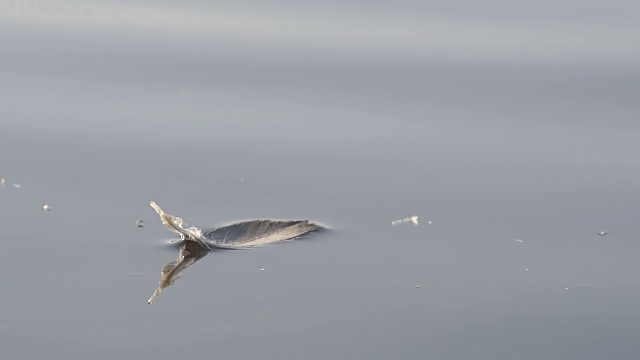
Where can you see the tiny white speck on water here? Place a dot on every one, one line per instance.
(46, 207)
(17, 186)
(526, 269)
(519, 240)
(139, 223)
(262, 269)
(429, 222)
(2, 182)
(413, 220)
(418, 286)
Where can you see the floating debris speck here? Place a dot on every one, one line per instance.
(139, 223)
(429, 222)
(17, 186)
(46, 207)
(418, 286)
(520, 241)
(2, 182)
(602, 233)
(413, 220)
(263, 269)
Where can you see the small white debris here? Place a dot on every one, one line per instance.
(520, 241)
(526, 269)
(602, 233)
(17, 186)
(566, 288)
(418, 286)
(46, 207)
(413, 219)
(429, 222)
(262, 269)
(139, 223)
(2, 182)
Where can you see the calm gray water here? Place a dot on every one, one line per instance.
(494, 121)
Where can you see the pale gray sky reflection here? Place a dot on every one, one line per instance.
(495, 120)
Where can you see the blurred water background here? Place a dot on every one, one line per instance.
(511, 126)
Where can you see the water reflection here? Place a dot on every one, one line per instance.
(190, 252)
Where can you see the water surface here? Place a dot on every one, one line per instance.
(495, 122)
